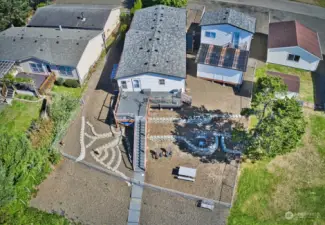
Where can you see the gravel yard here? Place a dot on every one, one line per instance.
(161, 208)
(213, 181)
(84, 195)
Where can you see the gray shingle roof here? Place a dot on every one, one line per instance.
(48, 44)
(155, 43)
(229, 16)
(70, 16)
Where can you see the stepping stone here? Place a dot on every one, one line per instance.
(134, 216)
(136, 192)
(135, 204)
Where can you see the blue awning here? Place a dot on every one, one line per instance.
(114, 70)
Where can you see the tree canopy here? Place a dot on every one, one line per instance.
(174, 3)
(13, 12)
(280, 123)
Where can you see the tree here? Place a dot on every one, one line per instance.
(280, 123)
(7, 192)
(173, 3)
(137, 5)
(13, 12)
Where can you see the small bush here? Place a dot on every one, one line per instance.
(42, 4)
(59, 81)
(71, 83)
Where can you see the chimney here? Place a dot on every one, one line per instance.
(60, 27)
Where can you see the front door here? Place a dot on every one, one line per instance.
(136, 84)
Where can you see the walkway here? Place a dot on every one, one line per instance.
(139, 151)
(283, 5)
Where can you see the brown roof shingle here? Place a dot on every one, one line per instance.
(293, 33)
(292, 81)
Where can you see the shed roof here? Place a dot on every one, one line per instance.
(292, 81)
(229, 16)
(48, 44)
(72, 16)
(155, 43)
(219, 56)
(293, 33)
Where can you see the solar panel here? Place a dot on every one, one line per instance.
(5, 67)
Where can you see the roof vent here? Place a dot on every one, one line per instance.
(156, 50)
(140, 48)
(145, 63)
(167, 61)
(77, 43)
(154, 20)
(224, 18)
(14, 39)
(157, 39)
(35, 41)
(158, 31)
(41, 49)
(152, 28)
(57, 36)
(148, 50)
(41, 35)
(150, 39)
(155, 14)
(160, 20)
(153, 65)
(161, 14)
(22, 37)
(57, 42)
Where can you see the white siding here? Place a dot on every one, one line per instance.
(24, 66)
(224, 35)
(280, 56)
(90, 56)
(220, 74)
(151, 81)
(112, 21)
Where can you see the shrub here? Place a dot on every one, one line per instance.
(123, 29)
(71, 83)
(59, 81)
(42, 4)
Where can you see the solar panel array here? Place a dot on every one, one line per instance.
(212, 55)
(5, 66)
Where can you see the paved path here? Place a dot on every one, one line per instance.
(283, 5)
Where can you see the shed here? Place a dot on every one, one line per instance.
(187, 172)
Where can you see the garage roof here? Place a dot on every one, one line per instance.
(229, 16)
(72, 16)
(292, 81)
(293, 33)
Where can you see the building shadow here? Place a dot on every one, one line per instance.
(191, 66)
(113, 55)
(318, 79)
(258, 48)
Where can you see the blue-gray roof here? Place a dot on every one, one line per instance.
(229, 16)
(92, 17)
(155, 43)
(60, 47)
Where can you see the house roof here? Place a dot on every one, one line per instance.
(48, 44)
(229, 16)
(292, 81)
(293, 33)
(71, 16)
(155, 43)
(219, 56)
(5, 67)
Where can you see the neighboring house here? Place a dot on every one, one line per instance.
(154, 54)
(225, 42)
(292, 44)
(68, 53)
(87, 17)
(292, 82)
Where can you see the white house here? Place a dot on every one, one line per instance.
(292, 44)
(226, 37)
(68, 53)
(154, 54)
(77, 16)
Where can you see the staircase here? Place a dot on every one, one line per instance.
(139, 146)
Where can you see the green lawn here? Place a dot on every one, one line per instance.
(76, 92)
(294, 182)
(306, 83)
(18, 117)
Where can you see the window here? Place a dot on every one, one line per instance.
(210, 34)
(124, 85)
(36, 67)
(292, 57)
(136, 84)
(65, 70)
(162, 82)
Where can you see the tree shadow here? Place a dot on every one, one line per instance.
(209, 129)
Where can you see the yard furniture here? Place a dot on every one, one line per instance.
(185, 173)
